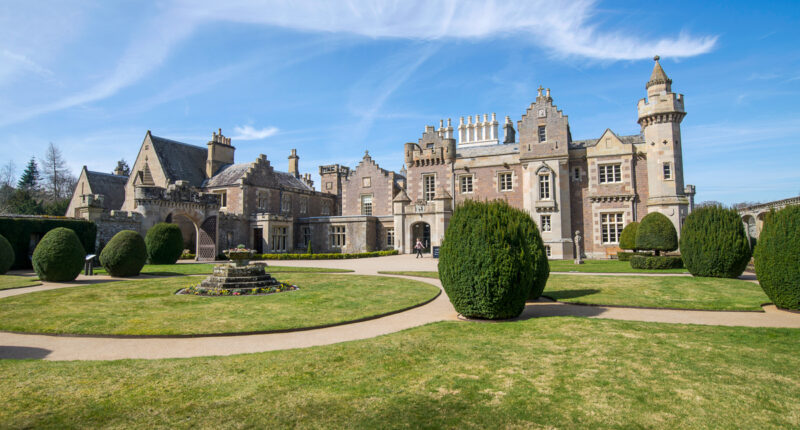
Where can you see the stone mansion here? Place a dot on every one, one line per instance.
(591, 186)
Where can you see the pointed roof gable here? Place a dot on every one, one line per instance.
(109, 185)
(401, 197)
(180, 161)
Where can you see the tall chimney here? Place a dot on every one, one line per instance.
(294, 169)
(220, 153)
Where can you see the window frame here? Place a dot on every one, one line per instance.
(545, 185)
(548, 223)
(501, 183)
(605, 227)
(603, 174)
(279, 237)
(306, 233)
(667, 171)
(425, 191)
(390, 236)
(541, 133)
(364, 207)
(338, 235)
(462, 183)
(286, 203)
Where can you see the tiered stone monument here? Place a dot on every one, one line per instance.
(239, 277)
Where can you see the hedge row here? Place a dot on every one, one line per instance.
(18, 231)
(626, 256)
(776, 257)
(323, 256)
(656, 262)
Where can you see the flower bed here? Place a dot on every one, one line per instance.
(273, 289)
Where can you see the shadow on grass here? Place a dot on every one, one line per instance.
(22, 352)
(543, 308)
(571, 294)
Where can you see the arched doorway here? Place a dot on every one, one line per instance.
(188, 230)
(421, 230)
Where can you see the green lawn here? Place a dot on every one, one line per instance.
(420, 273)
(603, 266)
(540, 373)
(203, 269)
(149, 306)
(683, 292)
(14, 281)
(659, 292)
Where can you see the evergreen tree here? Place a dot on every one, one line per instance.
(30, 177)
(22, 202)
(122, 168)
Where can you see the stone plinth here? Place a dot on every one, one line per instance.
(244, 280)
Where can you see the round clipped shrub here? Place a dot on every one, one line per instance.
(164, 243)
(59, 256)
(627, 239)
(714, 243)
(656, 233)
(124, 255)
(651, 262)
(6, 255)
(492, 260)
(776, 260)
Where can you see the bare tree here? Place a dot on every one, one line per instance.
(8, 174)
(56, 174)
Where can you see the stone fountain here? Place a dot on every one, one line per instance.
(239, 277)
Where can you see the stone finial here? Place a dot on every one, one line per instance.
(548, 93)
(656, 58)
(539, 91)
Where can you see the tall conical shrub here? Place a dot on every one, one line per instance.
(714, 243)
(164, 243)
(776, 257)
(656, 233)
(627, 239)
(492, 260)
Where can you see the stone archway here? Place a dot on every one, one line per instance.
(188, 229)
(421, 230)
(750, 226)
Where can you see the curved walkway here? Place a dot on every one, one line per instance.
(54, 347)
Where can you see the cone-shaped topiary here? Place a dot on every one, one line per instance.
(776, 254)
(124, 255)
(656, 233)
(714, 243)
(59, 256)
(627, 239)
(492, 260)
(6, 255)
(164, 243)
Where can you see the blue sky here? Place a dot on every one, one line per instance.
(333, 79)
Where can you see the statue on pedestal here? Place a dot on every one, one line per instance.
(578, 252)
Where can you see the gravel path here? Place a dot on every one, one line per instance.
(50, 347)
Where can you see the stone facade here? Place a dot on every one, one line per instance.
(592, 186)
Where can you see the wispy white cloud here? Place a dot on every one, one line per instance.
(249, 133)
(563, 28)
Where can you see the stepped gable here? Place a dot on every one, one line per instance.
(259, 172)
(181, 161)
(112, 187)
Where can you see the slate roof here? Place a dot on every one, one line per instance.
(230, 174)
(482, 151)
(181, 161)
(111, 186)
(628, 140)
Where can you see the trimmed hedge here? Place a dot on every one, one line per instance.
(124, 255)
(19, 230)
(323, 256)
(655, 262)
(164, 243)
(714, 243)
(627, 239)
(626, 256)
(6, 255)
(776, 259)
(492, 260)
(656, 233)
(59, 256)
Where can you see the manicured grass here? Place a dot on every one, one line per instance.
(14, 281)
(204, 269)
(659, 292)
(147, 307)
(420, 274)
(603, 266)
(539, 373)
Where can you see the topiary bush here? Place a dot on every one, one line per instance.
(124, 255)
(626, 256)
(656, 233)
(714, 243)
(776, 259)
(656, 262)
(164, 243)
(492, 260)
(627, 239)
(6, 255)
(59, 256)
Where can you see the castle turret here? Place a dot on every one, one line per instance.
(660, 115)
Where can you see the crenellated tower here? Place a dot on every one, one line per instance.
(660, 116)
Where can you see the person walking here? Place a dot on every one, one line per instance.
(418, 248)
